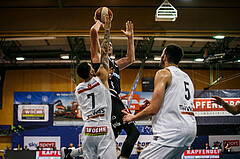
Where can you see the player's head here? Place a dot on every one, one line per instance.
(171, 54)
(85, 70)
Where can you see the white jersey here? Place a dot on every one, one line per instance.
(97, 135)
(94, 100)
(175, 125)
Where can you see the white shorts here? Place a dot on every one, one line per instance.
(98, 143)
(156, 150)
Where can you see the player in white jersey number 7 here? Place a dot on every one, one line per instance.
(171, 109)
(94, 99)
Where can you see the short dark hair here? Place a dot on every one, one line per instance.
(83, 70)
(174, 53)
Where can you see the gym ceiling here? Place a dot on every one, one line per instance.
(42, 31)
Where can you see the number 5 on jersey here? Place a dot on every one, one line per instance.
(187, 96)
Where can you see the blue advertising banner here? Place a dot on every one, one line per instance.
(33, 109)
(33, 97)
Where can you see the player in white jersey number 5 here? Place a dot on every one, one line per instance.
(171, 109)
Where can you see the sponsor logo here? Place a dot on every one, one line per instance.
(47, 144)
(201, 152)
(95, 131)
(205, 104)
(98, 113)
(32, 111)
(32, 144)
(231, 142)
(50, 153)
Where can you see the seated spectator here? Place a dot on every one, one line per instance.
(71, 145)
(37, 148)
(18, 147)
(54, 148)
(217, 145)
(118, 150)
(227, 148)
(25, 147)
(207, 147)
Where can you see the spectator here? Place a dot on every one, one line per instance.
(207, 147)
(217, 145)
(139, 149)
(71, 145)
(118, 150)
(227, 148)
(6, 149)
(25, 147)
(37, 148)
(54, 148)
(19, 147)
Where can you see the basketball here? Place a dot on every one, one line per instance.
(101, 12)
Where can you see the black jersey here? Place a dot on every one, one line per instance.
(114, 81)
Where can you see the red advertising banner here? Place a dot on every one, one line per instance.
(201, 152)
(50, 153)
(204, 107)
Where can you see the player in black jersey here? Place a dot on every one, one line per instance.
(114, 85)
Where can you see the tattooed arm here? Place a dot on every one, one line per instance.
(103, 70)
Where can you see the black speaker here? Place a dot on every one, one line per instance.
(147, 84)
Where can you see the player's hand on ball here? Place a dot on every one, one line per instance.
(129, 29)
(127, 117)
(107, 24)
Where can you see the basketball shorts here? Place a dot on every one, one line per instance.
(98, 142)
(156, 150)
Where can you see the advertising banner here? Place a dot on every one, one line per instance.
(48, 154)
(45, 142)
(202, 153)
(204, 107)
(144, 140)
(65, 107)
(33, 98)
(33, 108)
(233, 140)
(33, 113)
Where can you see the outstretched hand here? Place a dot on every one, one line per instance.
(217, 100)
(129, 29)
(127, 117)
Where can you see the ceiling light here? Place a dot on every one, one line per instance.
(238, 61)
(199, 60)
(20, 58)
(157, 57)
(219, 37)
(64, 56)
(166, 12)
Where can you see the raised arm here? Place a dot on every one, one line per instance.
(233, 109)
(104, 68)
(95, 45)
(130, 58)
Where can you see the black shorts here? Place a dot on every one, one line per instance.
(117, 115)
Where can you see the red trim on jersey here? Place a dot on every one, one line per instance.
(96, 116)
(90, 87)
(188, 113)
